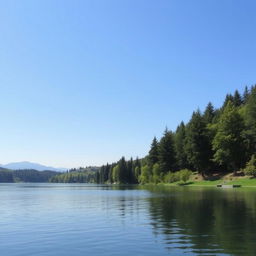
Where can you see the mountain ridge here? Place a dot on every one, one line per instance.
(30, 165)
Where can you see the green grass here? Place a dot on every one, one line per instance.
(244, 182)
(206, 183)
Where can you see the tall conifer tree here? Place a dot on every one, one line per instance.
(167, 159)
(198, 144)
(228, 142)
(153, 155)
(181, 156)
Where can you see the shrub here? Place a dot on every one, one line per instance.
(182, 175)
(171, 177)
(146, 174)
(250, 168)
(185, 174)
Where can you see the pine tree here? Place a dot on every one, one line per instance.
(250, 120)
(153, 153)
(198, 144)
(136, 170)
(246, 95)
(228, 142)
(229, 98)
(209, 113)
(167, 160)
(130, 178)
(237, 99)
(123, 174)
(180, 137)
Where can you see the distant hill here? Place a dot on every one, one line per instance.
(27, 175)
(29, 165)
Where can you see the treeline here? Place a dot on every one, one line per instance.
(26, 175)
(217, 139)
(77, 175)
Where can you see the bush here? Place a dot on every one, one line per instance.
(171, 177)
(185, 174)
(182, 175)
(146, 174)
(250, 168)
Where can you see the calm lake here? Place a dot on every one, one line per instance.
(71, 219)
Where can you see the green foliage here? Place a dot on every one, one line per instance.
(185, 175)
(250, 121)
(237, 99)
(26, 175)
(116, 174)
(156, 173)
(171, 177)
(250, 168)
(146, 175)
(246, 95)
(167, 159)
(198, 144)
(180, 137)
(137, 172)
(6, 175)
(209, 113)
(228, 142)
(75, 177)
(219, 139)
(182, 175)
(153, 155)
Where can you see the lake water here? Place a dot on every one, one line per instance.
(70, 219)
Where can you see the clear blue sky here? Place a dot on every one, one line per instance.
(86, 82)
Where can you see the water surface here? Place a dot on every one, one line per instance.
(71, 219)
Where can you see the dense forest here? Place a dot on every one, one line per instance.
(216, 140)
(7, 175)
(80, 175)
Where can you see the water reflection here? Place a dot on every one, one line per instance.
(64, 219)
(205, 221)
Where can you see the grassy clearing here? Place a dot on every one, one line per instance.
(245, 182)
(228, 179)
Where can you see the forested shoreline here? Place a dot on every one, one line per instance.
(25, 175)
(219, 140)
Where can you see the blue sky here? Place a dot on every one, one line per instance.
(86, 82)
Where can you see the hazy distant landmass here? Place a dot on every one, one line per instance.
(29, 165)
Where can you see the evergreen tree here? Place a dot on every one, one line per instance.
(123, 174)
(246, 95)
(110, 174)
(250, 120)
(250, 168)
(167, 160)
(181, 156)
(153, 153)
(130, 178)
(209, 113)
(228, 142)
(229, 98)
(136, 170)
(237, 99)
(198, 144)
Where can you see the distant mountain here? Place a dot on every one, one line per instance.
(29, 165)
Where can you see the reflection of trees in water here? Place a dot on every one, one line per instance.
(124, 200)
(205, 220)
